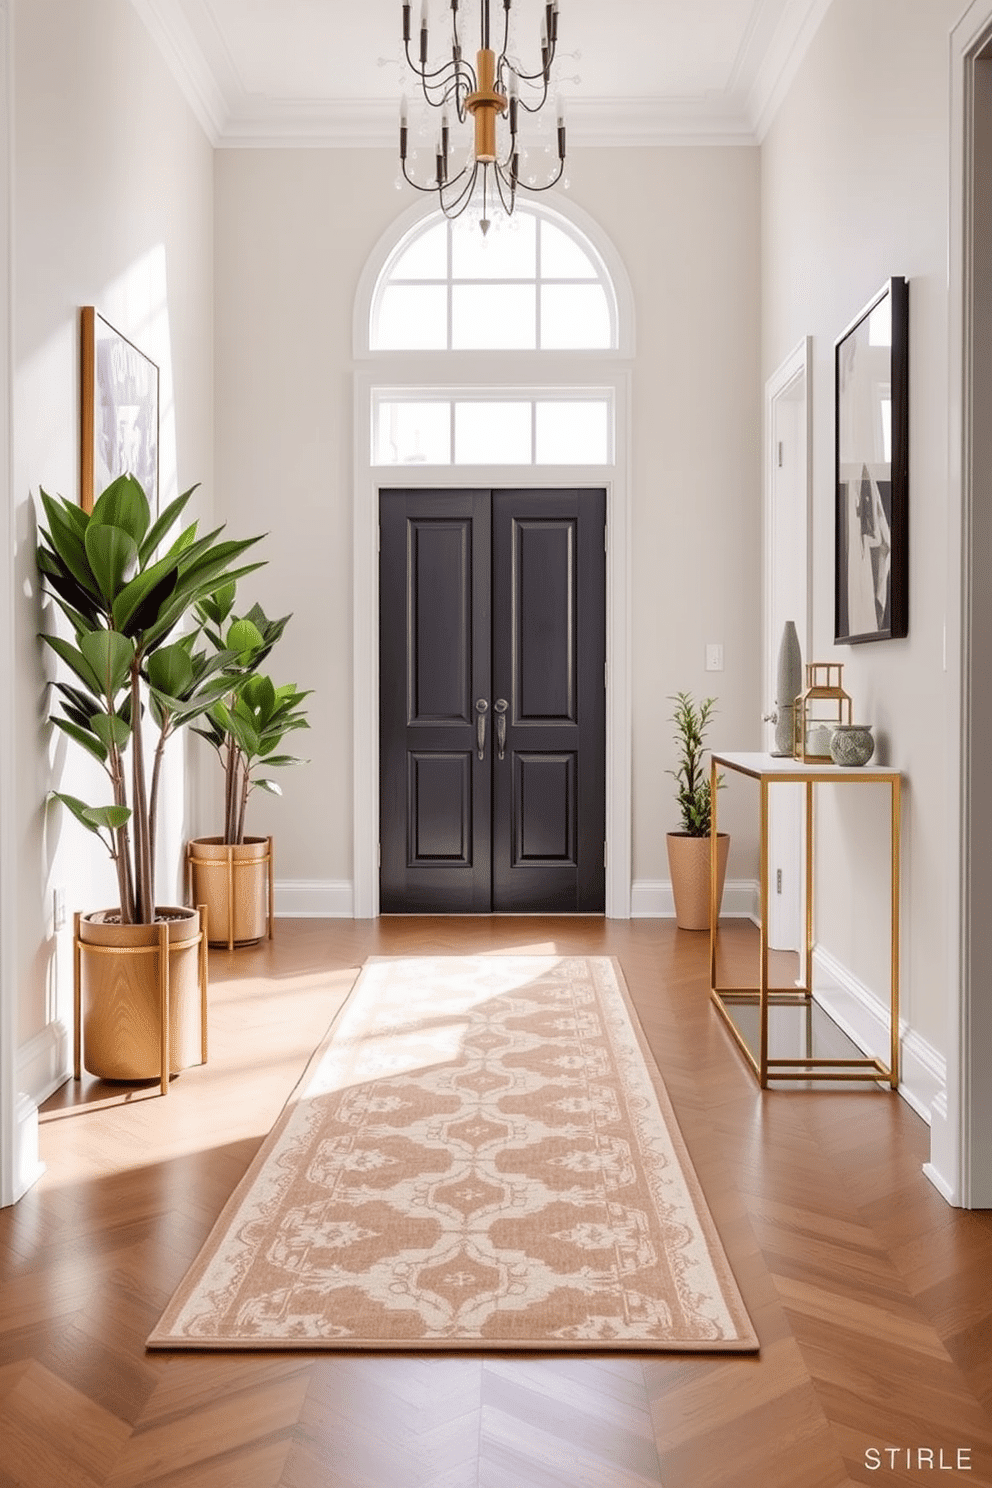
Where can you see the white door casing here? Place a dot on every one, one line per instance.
(787, 596)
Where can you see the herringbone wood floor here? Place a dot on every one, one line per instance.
(871, 1297)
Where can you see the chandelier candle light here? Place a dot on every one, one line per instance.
(495, 88)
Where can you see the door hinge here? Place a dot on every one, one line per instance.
(606, 539)
(606, 674)
(781, 462)
(606, 855)
(378, 537)
(378, 854)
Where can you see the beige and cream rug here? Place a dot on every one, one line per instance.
(481, 1156)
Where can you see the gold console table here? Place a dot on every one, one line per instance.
(768, 770)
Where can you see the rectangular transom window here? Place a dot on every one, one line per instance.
(549, 426)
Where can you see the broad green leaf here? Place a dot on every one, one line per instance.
(181, 600)
(111, 817)
(113, 556)
(159, 578)
(123, 505)
(217, 608)
(82, 736)
(78, 605)
(243, 637)
(268, 785)
(111, 729)
(220, 715)
(67, 541)
(81, 811)
(245, 736)
(275, 761)
(170, 669)
(162, 525)
(259, 696)
(77, 661)
(110, 655)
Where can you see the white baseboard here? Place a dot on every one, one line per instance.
(651, 899)
(44, 1063)
(865, 1019)
(315, 899)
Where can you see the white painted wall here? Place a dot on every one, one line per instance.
(112, 206)
(855, 189)
(294, 229)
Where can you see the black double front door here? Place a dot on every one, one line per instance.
(492, 650)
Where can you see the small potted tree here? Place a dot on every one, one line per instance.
(138, 678)
(689, 849)
(233, 874)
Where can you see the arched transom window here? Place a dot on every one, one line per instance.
(535, 283)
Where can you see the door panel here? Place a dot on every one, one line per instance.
(549, 654)
(492, 608)
(434, 663)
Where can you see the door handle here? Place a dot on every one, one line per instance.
(500, 707)
(481, 708)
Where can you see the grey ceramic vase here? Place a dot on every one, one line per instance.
(789, 684)
(852, 744)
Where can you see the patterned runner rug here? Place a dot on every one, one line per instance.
(481, 1156)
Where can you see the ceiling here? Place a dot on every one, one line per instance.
(328, 72)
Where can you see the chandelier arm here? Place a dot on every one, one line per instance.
(501, 180)
(544, 75)
(423, 73)
(431, 186)
(548, 184)
(457, 207)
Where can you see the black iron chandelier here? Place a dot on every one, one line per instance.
(497, 87)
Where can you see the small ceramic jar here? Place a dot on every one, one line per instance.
(852, 744)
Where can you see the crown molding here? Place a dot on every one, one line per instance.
(770, 56)
(799, 23)
(372, 124)
(184, 58)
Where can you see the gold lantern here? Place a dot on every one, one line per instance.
(823, 705)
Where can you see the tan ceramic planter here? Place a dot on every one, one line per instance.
(126, 976)
(235, 883)
(689, 864)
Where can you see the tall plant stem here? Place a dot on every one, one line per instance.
(122, 839)
(243, 804)
(230, 790)
(165, 733)
(145, 896)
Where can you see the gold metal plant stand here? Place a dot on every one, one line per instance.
(769, 770)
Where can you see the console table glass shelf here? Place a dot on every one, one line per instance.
(771, 1057)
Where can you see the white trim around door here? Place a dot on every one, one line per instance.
(960, 1163)
(368, 480)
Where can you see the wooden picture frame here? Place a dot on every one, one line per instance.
(120, 411)
(871, 557)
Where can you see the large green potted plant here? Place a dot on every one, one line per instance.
(138, 678)
(232, 874)
(689, 849)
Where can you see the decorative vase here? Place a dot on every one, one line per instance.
(852, 744)
(789, 684)
(689, 866)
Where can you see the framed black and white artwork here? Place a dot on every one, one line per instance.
(871, 560)
(119, 387)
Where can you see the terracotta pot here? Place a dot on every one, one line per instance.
(689, 865)
(234, 881)
(119, 994)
